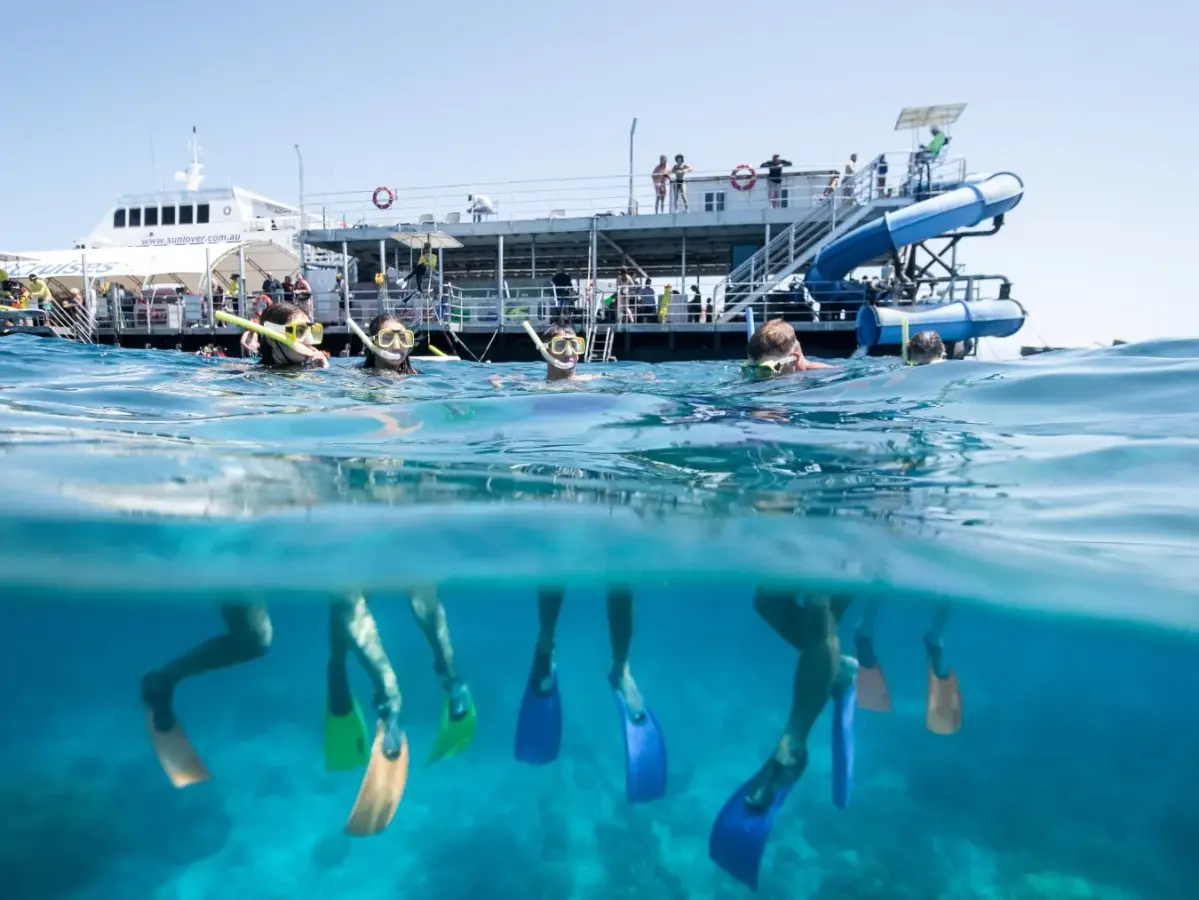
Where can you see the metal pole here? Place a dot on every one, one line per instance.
(383, 269)
(766, 261)
(593, 302)
(499, 276)
(208, 285)
(632, 133)
(683, 279)
(533, 250)
(241, 280)
(303, 222)
(87, 305)
(345, 280)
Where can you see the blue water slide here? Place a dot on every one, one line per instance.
(962, 207)
(882, 326)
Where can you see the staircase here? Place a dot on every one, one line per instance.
(599, 335)
(830, 217)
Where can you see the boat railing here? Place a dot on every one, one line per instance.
(708, 190)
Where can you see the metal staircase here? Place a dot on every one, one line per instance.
(599, 334)
(836, 214)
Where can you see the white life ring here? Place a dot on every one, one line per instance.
(227, 210)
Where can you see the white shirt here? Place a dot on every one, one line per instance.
(481, 204)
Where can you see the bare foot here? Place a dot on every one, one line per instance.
(623, 684)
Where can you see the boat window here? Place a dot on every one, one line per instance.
(201, 213)
(714, 201)
(168, 215)
(135, 217)
(784, 194)
(118, 218)
(151, 216)
(185, 214)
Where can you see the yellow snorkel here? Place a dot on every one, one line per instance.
(370, 344)
(269, 333)
(544, 350)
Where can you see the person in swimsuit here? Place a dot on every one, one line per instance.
(661, 179)
(678, 173)
(774, 350)
(774, 177)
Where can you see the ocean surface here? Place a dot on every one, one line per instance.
(1053, 503)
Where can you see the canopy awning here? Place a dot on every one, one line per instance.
(134, 267)
(437, 240)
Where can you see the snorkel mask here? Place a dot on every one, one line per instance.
(290, 336)
(545, 351)
(386, 342)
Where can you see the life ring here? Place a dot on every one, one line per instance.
(227, 210)
(743, 177)
(388, 193)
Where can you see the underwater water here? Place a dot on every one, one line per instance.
(1052, 503)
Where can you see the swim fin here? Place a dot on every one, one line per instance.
(345, 740)
(872, 685)
(176, 754)
(454, 734)
(539, 728)
(943, 711)
(382, 786)
(738, 839)
(844, 702)
(645, 755)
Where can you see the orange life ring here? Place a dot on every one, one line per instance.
(743, 177)
(388, 194)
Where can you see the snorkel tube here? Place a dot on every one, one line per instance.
(544, 350)
(268, 333)
(371, 345)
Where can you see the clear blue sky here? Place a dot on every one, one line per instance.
(1091, 104)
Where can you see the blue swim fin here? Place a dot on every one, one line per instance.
(738, 838)
(843, 709)
(645, 755)
(539, 728)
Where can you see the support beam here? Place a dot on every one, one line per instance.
(619, 249)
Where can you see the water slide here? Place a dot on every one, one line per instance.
(979, 198)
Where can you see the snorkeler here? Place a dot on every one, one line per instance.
(943, 706)
(561, 349)
(292, 338)
(739, 835)
(387, 343)
(539, 728)
(774, 350)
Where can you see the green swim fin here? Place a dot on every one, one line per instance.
(453, 736)
(346, 745)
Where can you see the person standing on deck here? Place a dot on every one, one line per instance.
(679, 174)
(39, 293)
(661, 178)
(774, 177)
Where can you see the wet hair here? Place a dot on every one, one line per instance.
(558, 331)
(371, 361)
(269, 354)
(925, 346)
(773, 339)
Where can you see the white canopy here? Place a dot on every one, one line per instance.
(134, 267)
(920, 116)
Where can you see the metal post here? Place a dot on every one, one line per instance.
(303, 222)
(632, 133)
(208, 285)
(766, 246)
(499, 277)
(241, 280)
(533, 250)
(345, 280)
(383, 269)
(87, 304)
(593, 302)
(683, 280)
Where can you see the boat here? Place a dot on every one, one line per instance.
(852, 258)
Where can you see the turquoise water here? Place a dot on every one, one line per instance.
(1054, 502)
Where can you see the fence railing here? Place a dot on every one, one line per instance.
(892, 172)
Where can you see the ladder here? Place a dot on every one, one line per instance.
(597, 335)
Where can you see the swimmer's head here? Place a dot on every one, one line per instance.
(565, 347)
(292, 321)
(774, 350)
(394, 340)
(926, 347)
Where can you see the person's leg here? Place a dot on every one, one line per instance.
(934, 642)
(353, 628)
(864, 635)
(817, 674)
(430, 616)
(620, 631)
(549, 607)
(247, 636)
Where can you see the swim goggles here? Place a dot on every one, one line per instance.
(764, 368)
(559, 344)
(395, 339)
(298, 331)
